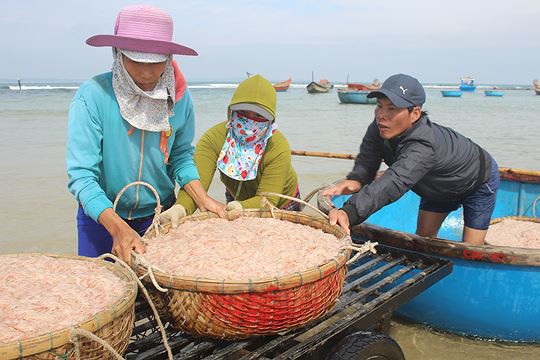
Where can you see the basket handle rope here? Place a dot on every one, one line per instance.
(146, 295)
(155, 223)
(360, 249)
(265, 202)
(76, 333)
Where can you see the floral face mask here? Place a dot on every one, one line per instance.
(244, 147)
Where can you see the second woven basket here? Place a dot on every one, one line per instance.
(236, 310)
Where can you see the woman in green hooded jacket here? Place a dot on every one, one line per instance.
(252, 156)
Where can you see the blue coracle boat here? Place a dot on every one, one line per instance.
(451, 93)
(497, 93)
(493, 291)
(355, 97)
(467, 84)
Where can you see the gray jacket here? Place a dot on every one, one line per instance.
(434, 161)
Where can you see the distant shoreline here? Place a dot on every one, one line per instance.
(72, 85)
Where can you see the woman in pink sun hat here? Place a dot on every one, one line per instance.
(135, 123)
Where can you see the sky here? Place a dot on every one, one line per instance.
(495, 41)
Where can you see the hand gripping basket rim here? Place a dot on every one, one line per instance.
(223, 286)
(53, 340)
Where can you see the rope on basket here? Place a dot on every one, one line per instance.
(360, 249)
(534, 206)
(266, 202)
(147, 296)
(313, 193)
(139, 259)
(155, 221)
(76, 333)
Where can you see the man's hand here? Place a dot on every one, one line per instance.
(340, 217)
(173, 215)
(344, 187)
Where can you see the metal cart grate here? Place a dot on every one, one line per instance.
(376, 285)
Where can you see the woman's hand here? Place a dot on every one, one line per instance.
(204, 202)
(209, 204)
(234, 205)
(343, 187)
(126, 241)
(340, 217)
(173, 215)
(124, 237)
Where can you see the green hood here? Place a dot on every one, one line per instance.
(254, 94)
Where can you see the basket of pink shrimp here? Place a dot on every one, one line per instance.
(64, 307)
(256, 272)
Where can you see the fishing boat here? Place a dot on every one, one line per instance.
(493, 291)
(323, 86)
(494, 93)
(536, 87)
(355, 97)
(283, 85)
(451, 93)
(467, 84)
(375, 85)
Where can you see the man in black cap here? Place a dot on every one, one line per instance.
(444, 168)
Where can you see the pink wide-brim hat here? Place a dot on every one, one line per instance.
(145, 29)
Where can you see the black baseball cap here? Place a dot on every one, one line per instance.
(402, 90)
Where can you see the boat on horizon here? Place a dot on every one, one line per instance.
(493, 291)
(451, 93)
(494, 93)
(355, 97)
(317, 88)
(283, 85)
(320, 87)
(467, 84)
(375, 85)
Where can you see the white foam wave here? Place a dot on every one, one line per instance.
(213, 86)
(42, 87)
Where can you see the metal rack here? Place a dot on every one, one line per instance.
(376, 285)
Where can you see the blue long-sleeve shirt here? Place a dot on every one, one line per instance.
(104, 153)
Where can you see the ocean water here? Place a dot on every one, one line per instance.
(38, 213)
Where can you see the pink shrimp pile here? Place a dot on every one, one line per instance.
(515, 233)
(41, 294)
(246, 248)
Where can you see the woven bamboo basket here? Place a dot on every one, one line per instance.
(241, 309)
(518, 218)
(112, 325)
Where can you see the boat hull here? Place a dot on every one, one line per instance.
(282, 86)
(317, 88)
(451, 93)
(467, 88)
(355, 97)
(493, 292)
(494, 93)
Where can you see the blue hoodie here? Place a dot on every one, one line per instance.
(105, 153)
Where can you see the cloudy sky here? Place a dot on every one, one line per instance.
(496, 41)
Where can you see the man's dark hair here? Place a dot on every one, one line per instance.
(422, 113)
